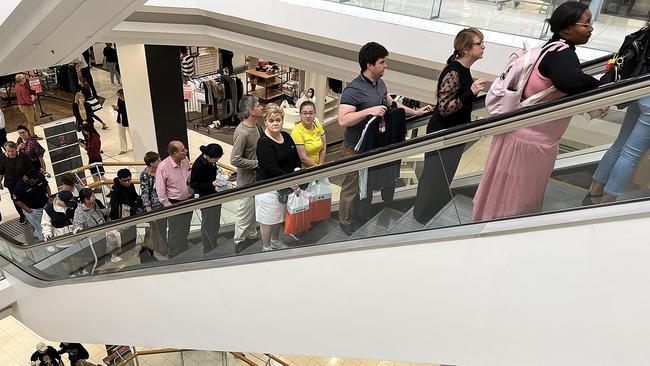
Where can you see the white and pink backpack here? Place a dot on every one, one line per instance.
(506, 92)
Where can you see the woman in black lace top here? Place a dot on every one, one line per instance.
(455, 93)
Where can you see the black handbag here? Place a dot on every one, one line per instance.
(283, 195)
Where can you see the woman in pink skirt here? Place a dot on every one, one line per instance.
(520, 162)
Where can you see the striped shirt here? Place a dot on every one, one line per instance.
(187, 65)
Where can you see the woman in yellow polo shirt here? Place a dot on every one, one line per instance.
(309, 136)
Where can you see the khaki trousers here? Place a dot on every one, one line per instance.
(32, 116)
(245, 225)
(349, 190)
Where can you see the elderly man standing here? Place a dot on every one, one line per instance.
(244, 158)
(26, 103)
(172, 177)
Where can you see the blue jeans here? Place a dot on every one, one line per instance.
(34, 218)
(619, 162)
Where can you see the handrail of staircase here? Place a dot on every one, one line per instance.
(610, 94)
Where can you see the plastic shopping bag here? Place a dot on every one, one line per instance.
(320, 202)
(297, 218)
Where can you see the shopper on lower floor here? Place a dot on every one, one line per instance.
(26, 102)
(92, 100)
(45, 356)
(3, 130)
(82, 111)
(82, 64)
(204, 182)
(29, 146)
(277, 156)
(13, 167)
(58, 215)
(93, 145)
(155, 238)
(620, 160)
(172, 177)
(77, 354)
(244, 158)
(125, 202)
(32, 194)
(110, 57)
(122, 121)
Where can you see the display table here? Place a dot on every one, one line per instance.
(268, 82)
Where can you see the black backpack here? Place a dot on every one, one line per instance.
(632, 59)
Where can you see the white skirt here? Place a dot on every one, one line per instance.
(268, 209)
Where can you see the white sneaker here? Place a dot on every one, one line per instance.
(50, 249)
(63, 246)
(115, 258)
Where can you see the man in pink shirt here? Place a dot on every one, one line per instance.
(26, 103)
(172, 181)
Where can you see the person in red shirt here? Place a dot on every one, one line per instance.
(93, 146)
(26, 103)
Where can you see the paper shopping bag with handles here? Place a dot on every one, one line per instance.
(297, 219)
(320, 202)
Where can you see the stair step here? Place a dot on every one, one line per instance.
(318, 231)
(461, 206)
(379, 224)
(560, 196)
(406, 223)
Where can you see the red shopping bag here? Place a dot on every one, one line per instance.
(297, 219)
(320, 202)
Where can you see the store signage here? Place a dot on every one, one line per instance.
(200, 96)
(187, 91)
(35, 84)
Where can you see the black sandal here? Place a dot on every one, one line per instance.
(587, 201)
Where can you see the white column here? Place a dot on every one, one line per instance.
(135, 82)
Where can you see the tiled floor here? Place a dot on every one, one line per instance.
(17, 344)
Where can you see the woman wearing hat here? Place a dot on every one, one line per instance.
(58, 215)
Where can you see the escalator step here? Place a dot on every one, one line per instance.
(379, 224)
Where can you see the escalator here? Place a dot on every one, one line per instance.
(448, 290)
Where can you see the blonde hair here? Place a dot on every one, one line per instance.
(272, 110)
(464, 40)
(82, 108)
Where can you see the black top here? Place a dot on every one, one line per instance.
(49, 358)
(77, 115)
(14, 169)
(32, 195)
(75, 352)
(202, 176)
(60, 219)
(455, 97)
(564, 70)
(110, 54)
(276, 160)
(121, 113)
(121, 195)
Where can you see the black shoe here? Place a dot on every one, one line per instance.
(587, 201)
(347, 229)
(22, 221)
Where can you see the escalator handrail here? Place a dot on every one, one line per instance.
(609, 94)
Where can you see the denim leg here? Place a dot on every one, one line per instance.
(610, 158)
(34, 219)
(636, 145)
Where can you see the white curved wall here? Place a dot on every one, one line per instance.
(573, 294)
